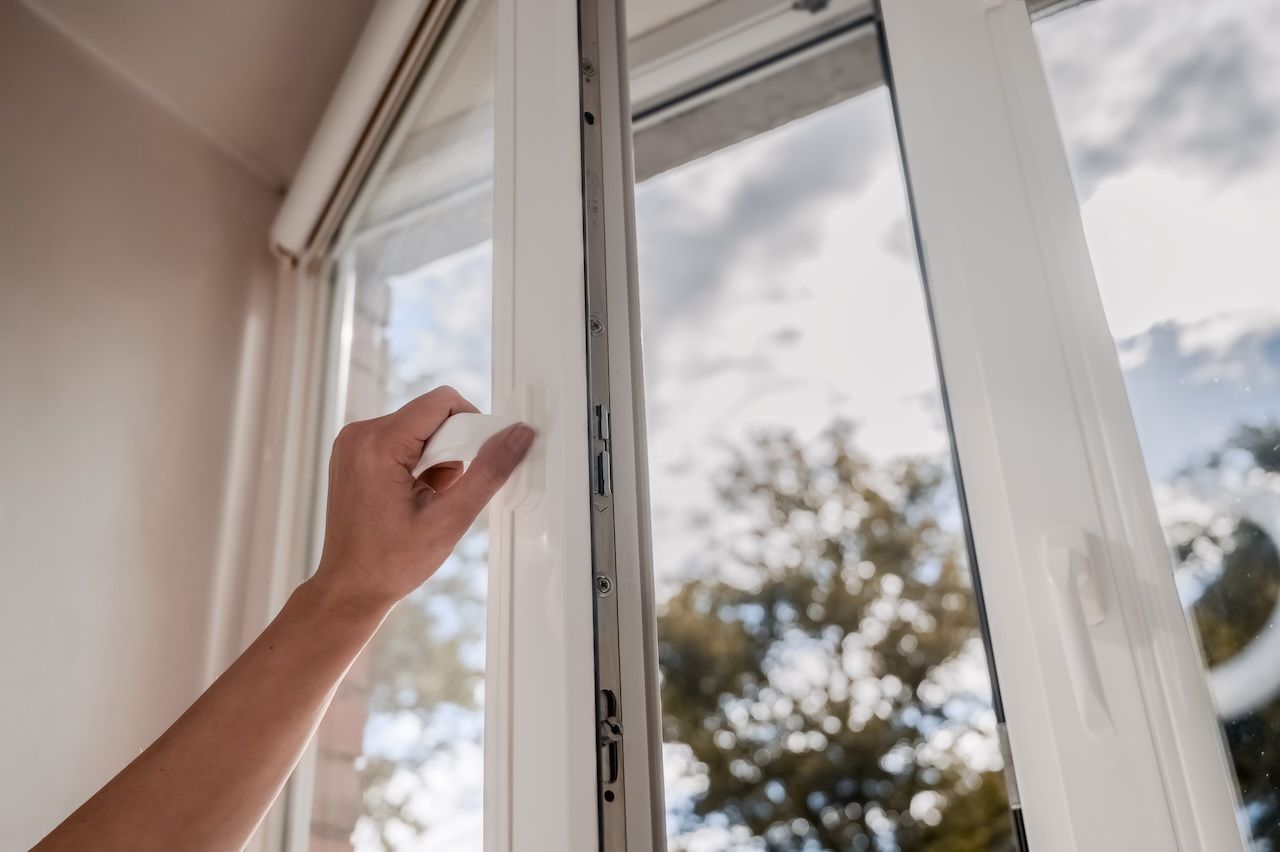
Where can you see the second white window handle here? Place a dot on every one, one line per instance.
(1080, 604)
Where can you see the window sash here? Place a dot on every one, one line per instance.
(541, 677)
(1046, 441)
(1037, 397)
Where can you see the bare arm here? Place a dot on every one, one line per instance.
(207, 782)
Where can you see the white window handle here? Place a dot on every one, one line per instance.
(459, 439)
(1080, 604)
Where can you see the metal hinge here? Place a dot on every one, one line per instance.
(1010, 774)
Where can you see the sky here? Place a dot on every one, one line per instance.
(1171, 118)
(792, 250)
(770, 303)
(779, 288)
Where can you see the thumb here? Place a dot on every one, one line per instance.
(454, 510)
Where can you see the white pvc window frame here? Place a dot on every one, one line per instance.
(1109, 719)
(1113, 733)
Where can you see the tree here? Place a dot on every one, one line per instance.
(424, 663)
(824, 671)
(1237, 566)
(826, 674)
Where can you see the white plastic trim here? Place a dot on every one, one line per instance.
(368, 73)
(540, 755)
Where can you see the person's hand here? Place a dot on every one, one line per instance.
(386, 532)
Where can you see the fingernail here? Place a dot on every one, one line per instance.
(520, 437)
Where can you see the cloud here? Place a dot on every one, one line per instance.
(1181, 84)
(757, 204)
(438, 327)
(735, 230)
(898, 241)
(1191, 386)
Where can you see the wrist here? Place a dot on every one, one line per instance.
(340, 606)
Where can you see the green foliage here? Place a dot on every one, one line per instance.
(818, 672)
(418, 664)
(1228, 615)
(1261, 443)
(421, 663)
(1239, 568)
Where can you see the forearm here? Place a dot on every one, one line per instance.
(209, 779)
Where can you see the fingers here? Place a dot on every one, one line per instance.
(454, 510)
(419, 418)
(441, 476)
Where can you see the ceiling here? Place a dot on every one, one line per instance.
(252, 76)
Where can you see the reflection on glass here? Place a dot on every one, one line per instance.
(399, 755)
(1171, 115)
(420, 762)
(824, 684)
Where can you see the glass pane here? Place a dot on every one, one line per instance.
(399, 755)
(824, 681)
(1171, 116)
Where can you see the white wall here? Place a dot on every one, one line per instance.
(128, 245)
